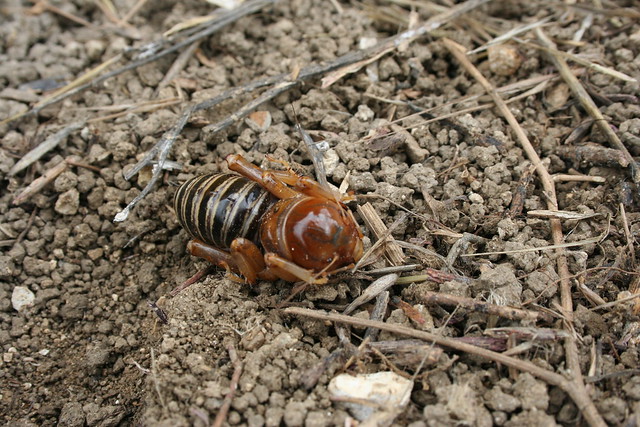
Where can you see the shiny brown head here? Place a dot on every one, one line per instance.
(312, 232)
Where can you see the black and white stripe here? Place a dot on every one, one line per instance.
(221, 207)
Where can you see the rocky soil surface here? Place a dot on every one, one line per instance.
(80, 343)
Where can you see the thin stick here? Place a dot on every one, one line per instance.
(627, 233)
(178, 65)
(591, 65)
(29, 224)
(43, 5)
(587, 103)
(372, 291)
(581, 399)
(233, 385)
(40, 182)
(506, 312)
(130, 14)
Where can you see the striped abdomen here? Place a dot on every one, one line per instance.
(221, 207)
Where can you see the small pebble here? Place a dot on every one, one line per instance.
(68, 202)
(504, 59)
(22, 298)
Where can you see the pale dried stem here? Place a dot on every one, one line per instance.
(131, 13)
(379, 230)
(578, 390)
(627, 233)
(178, 65)
(43, 5)
(563, 177)
(44, 147)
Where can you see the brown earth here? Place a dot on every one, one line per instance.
(90, 351)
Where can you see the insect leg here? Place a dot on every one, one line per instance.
(212, 254)
(237, 163)
(290, 271)
(249, 260)
(305, 185)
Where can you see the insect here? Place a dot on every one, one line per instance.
(268, 224)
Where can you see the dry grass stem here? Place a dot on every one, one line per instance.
(593, 297)
(39, 183)
(510, 34)
(578, 60)
(563, 177)
(42, 6)
(627, 234)
(542, 213)
(379, 229)
(616, 302)
(143, 107)
(590, 241)
(132, 12)
(372, 291)
(178, 65)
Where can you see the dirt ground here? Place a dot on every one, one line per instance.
(88, 350)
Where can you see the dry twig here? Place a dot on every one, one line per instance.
(44, 147)
(233, 385)
(507, 312)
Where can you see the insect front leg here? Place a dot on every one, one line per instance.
(290, 271)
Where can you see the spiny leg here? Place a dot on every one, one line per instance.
(238, 164)
(302, 183)
(305, 185)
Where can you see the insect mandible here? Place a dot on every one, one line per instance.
(268, 224)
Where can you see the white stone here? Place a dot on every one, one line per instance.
(22, 298)
(388, 393)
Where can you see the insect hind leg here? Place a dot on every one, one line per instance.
(265, 178)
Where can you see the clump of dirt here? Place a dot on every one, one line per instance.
(88, 349)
